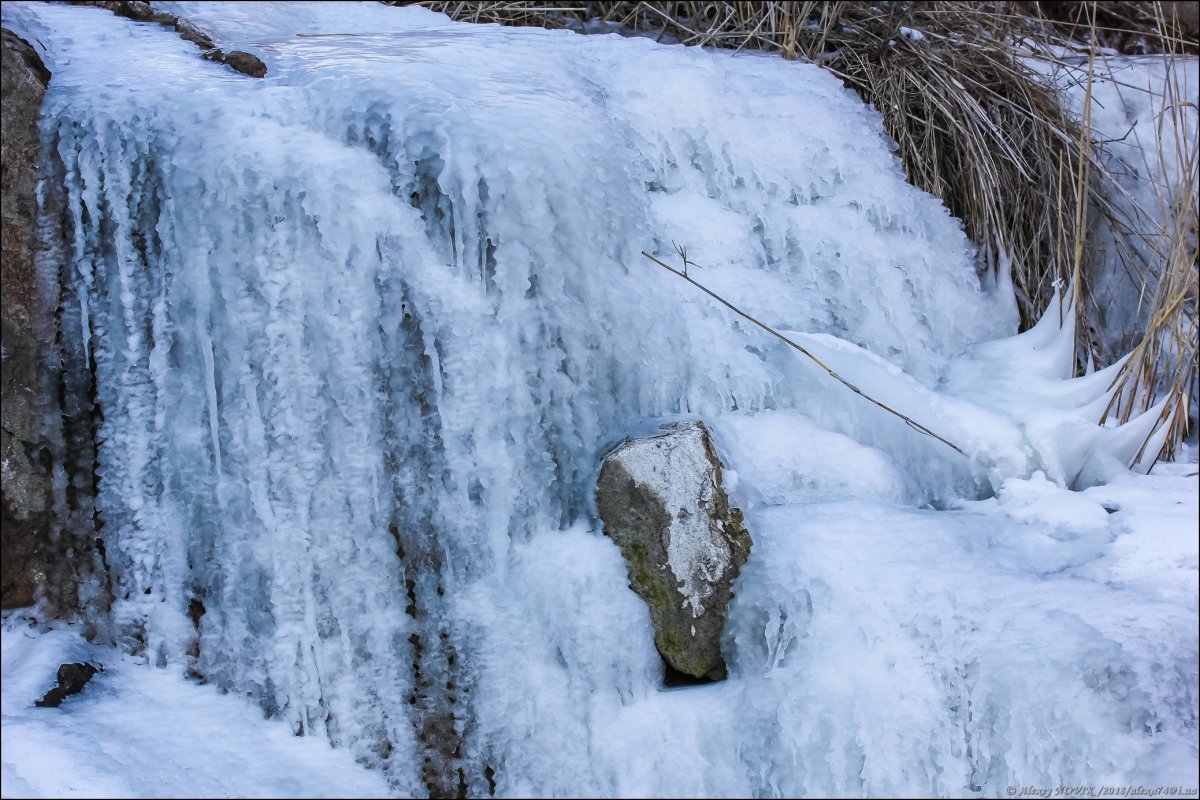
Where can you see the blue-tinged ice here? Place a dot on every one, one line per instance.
(362, 330)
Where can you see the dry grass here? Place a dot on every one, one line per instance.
(978, 128)
(1129, 27)
(1164, 363)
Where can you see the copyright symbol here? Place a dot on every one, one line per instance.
(1012, 790)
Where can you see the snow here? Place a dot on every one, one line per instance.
(364, 328)
(136, 731)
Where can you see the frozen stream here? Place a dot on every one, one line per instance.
(363, 329)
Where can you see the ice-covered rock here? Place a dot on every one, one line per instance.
(663, 502)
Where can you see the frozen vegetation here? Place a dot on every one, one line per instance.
(363, 330)
(1145, 111)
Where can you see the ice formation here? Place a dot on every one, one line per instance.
(1146, 112)
(362, 330)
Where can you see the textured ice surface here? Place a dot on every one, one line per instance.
(362, 329)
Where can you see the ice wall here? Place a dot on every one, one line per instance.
(361, 331)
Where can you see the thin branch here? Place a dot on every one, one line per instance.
(907, 420)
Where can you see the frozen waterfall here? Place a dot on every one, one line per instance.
(362, 330)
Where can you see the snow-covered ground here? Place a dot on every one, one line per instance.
(362, 331)
(140, 731)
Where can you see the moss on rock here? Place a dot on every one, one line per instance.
(662, 501)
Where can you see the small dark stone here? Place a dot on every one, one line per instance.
(136, 10)
(190, 33)
(246, 63)
(71, 680)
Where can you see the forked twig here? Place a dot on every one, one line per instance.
(912, 423)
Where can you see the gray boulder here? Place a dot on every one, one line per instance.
(663, 502)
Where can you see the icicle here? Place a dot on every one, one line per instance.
(1003, 287)
(210, 385)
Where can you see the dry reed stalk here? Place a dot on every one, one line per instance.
(1164, 363)
(909, 421)
(1081, 198)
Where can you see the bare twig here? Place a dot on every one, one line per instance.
(907, 420)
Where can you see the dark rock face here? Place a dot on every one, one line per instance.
(47, 531)
(71, 680)
(662, 501)
(28, 390)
